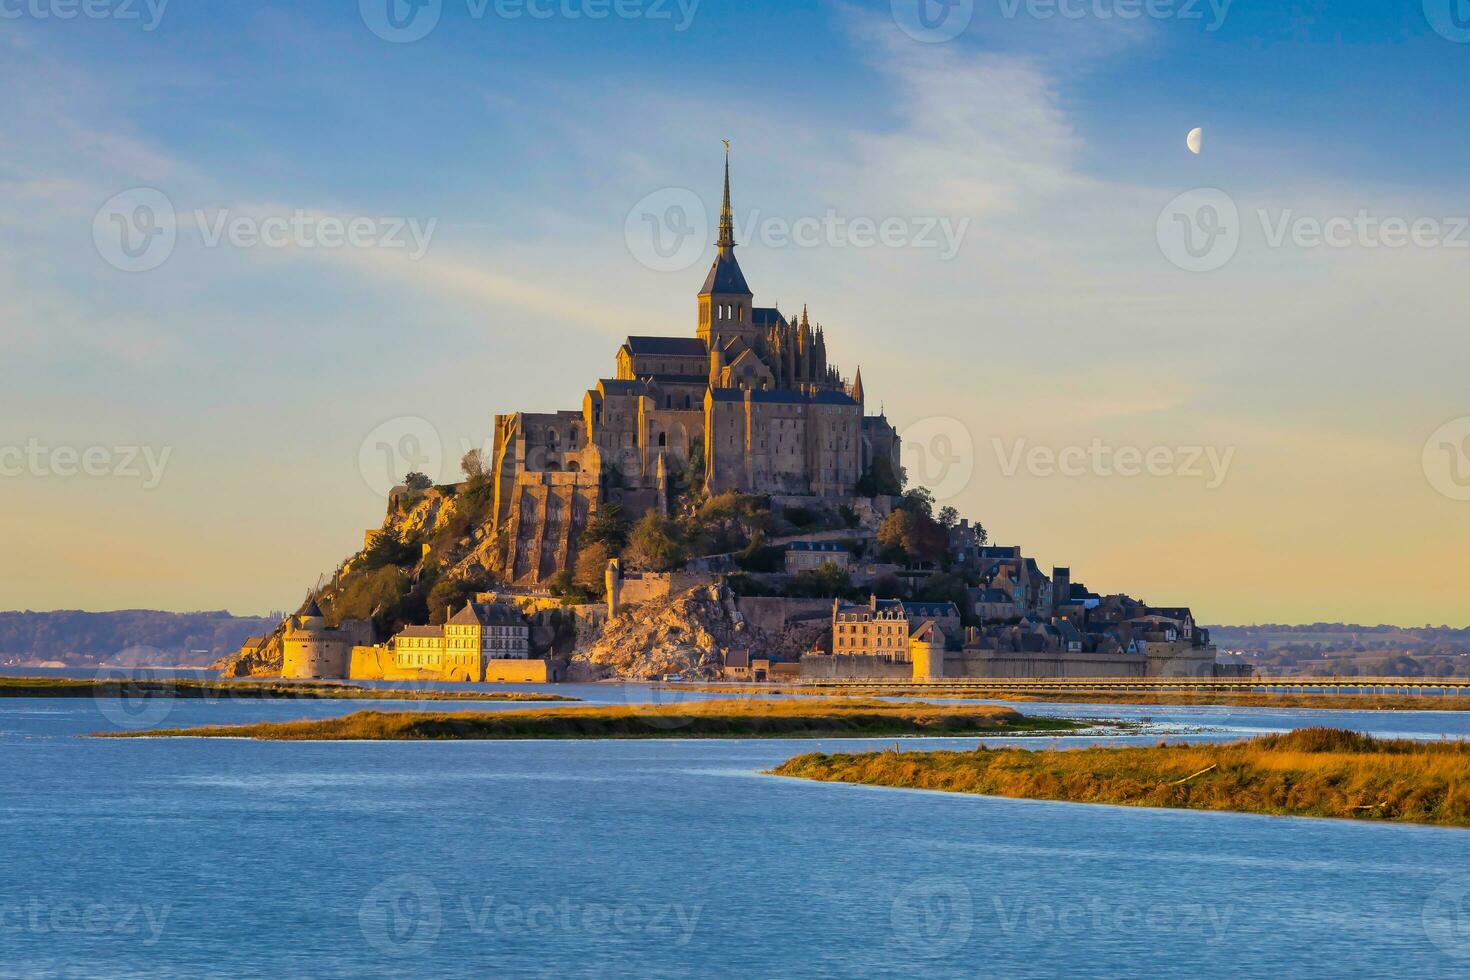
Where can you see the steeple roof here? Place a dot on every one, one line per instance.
(725, 276)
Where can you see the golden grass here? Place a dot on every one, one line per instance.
(697, 719)
(61, 687)
(1313, 772)
(1226, 699)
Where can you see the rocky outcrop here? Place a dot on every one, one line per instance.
(688, 633)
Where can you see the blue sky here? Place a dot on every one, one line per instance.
(527, 142)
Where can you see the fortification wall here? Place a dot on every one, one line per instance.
(1052, 664)
(644, 587)
(773, 614)
(517, 672)
(846, 667)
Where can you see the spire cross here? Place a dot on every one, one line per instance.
(727, 213)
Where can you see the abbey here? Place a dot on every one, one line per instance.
(751, 403)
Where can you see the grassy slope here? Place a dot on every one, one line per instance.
(701, 719)
(45, 687)
(1315, 772)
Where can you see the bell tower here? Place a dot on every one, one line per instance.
(725, 301)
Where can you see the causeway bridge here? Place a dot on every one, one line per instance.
(1451, 686)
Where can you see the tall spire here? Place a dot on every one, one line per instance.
(727, 213)
(857, 387)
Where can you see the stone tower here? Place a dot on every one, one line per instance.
(725, 301)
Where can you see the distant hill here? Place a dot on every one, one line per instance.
(1347, 650)
(135, 637)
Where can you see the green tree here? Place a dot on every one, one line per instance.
(607, 528)
(590, 573)
(882, 479)
(657, 543)
(826, 581)
(417, 482)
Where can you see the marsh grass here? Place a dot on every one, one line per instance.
(698, 719)
(1312, 772)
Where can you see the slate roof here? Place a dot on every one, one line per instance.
(488, 614)
(312, 608)
(668, 346)
(766, 316)
(424, 631)
(931, 610)
(614, 387)
(725, 276)
(833, 398)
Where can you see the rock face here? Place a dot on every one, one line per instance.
(688, 633)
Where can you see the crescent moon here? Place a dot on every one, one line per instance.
(1195, 140)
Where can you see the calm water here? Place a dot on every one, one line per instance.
(669, 858)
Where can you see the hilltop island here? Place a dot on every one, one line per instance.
(726, 504)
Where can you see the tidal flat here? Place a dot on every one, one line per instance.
(1310, 772)
(702, 719)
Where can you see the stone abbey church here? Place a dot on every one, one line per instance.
(752, 399)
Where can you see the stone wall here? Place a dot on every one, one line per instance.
(773, 614)
(846, 667)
